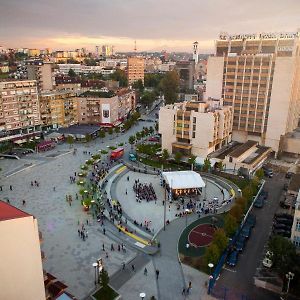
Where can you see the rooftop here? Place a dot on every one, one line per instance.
(98, 94)
(242, 149)
(8, 212)
(295, 183)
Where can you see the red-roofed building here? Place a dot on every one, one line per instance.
(21, 272)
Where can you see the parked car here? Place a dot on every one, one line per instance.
(233, 258)
(288, 175)
(284, 216)
(240, 243)
(282, 232)
(153, 139)
(246, 231)
(259, 202)
(282, 226)
(267, 171)
(251, 220)
(284, 221)
(264, 194)
(285, 186)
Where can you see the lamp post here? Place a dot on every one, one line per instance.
(95, 265)
(142, 295)
(210, 265)
(289, 276)
(186, 214)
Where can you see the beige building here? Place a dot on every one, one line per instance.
(135, 69)
(105, 107)
(19, 106)
(42, 72)
(295, 232)
(259, 75)
(21, 272)
(194, 127)
(58, 108)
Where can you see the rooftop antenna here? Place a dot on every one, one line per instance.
(135, 49)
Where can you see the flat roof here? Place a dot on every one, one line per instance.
(183, 179)
(259, 153)
(8, 212)
(242, 148)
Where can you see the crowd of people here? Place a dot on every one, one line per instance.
(144, 191)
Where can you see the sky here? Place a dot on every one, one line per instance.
(156, 25)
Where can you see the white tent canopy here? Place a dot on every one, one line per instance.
(183, 180)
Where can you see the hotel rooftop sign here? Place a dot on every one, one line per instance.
(258, 36)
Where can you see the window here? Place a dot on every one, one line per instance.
(296, 241)
(194, 119)
(297, 225)
(194, 135)
(105, 113)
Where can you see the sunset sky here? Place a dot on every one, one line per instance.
(154, 24)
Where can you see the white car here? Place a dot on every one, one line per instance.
(267, 261)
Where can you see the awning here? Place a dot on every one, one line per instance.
(183, 179)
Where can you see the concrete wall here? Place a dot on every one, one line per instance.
(21, 272)
(165, 128)
(214, 81)
(280, 101)
(291, 145)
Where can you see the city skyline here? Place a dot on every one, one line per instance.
(173, 25)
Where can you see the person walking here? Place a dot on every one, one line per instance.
(183, 291)
(104, 231)
(157, 274)
(123, 265)
(145, 271)
(24, 202)
(103, 248)
(10, 187)
(133, 268)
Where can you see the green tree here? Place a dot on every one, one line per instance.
(284, 254)
(72, 73)
(117, 130)
(156, 126)
(207, 165)
(104, 279)
(147, 98)
(151, 130)
(242, 202)
(138, 85)
(220, 239)
(102, 134)
(259, 174)
(165, 155)
(236, 211)
(230, 225)
(177, 157)
(131, 140)
(146, 130)
(120, 75)
(110, 131)
(212, 254)
(170, 86)
(138, 136)
(88, 138)
(70, 140)
(192, 159)
(152, 80)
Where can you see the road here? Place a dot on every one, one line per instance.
(239, 280)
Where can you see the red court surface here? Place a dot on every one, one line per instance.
(201, 235)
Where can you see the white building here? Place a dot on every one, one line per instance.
(295, 233)
(21, 272)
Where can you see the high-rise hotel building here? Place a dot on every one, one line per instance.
(259, 76)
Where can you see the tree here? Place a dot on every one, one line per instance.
(192, 159)
(220, 239)
(151, 130)
(117, 130)
(236, 211)
(284, 254)
(131, 140)
(165, 155)
(206, 165)
(146, 130)
(104, 279)
(120, 75)
(102, 134)
(156, 126)
(259, 174)
(152, 80)
(242, 202)
(212, 254)
(230, 225)
(72, 73)
(170, 86)
(70, 140)
(88, 138)
(138, 136)
(110, 131)
(138, 85)
(178, 156)
(147, 98)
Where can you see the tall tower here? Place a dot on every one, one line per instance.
(195, 52)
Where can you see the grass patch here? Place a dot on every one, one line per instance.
(121, 144)
(107, 294)
(103, 151)
(112, 147)
(157, 164)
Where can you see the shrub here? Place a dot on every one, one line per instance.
(104, 151)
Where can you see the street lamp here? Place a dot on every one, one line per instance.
(289, 276)
(142, 295)
(95, 265)
(186, 214)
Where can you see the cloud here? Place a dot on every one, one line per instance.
(168, 23)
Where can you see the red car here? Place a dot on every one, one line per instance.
(153, 139)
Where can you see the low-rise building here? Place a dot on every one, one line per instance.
(21, 271)
(195, 127)
(19, 106)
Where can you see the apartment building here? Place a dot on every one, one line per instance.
(195, 127)
(135, 69)
(259, 75)
(19, 106)
(104, 107)
(21, 272)
(58, 109)
(295, 232)
(42, 72)
(186, 72)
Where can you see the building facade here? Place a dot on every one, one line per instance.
(259, 75)
(21, 271)
(194, 127)
(295, 232)
(19, 106)
(186, 72)
(42, 72)
(135, 69)
(58, 109)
